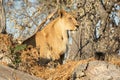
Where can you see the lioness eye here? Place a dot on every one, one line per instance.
(76, 18)
(70, 18)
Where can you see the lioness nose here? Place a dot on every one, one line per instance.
(77, 26)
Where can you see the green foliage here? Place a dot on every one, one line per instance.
(15, 51)
(18, 48)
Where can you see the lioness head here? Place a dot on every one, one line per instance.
(68, 21)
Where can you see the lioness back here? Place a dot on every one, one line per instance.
(52, 39)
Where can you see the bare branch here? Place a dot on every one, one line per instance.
(2, 17)
(44, 21)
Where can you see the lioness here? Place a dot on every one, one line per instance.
(52, 39)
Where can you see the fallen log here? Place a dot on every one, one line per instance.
(7, 73)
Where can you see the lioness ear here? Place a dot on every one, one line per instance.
(61, 13)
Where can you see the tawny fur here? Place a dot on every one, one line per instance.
(52, 39)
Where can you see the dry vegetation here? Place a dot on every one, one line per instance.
(87, 45)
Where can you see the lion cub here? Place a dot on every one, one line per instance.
(53, 38)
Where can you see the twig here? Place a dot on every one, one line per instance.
(44, 21)
(30, 17)
(40, 26)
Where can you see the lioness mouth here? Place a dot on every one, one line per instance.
(77, 28)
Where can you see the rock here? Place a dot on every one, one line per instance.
(7, 73)
(5, 44)
(115, 14)
(24, 16)
(96, 70)
(97, 35)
